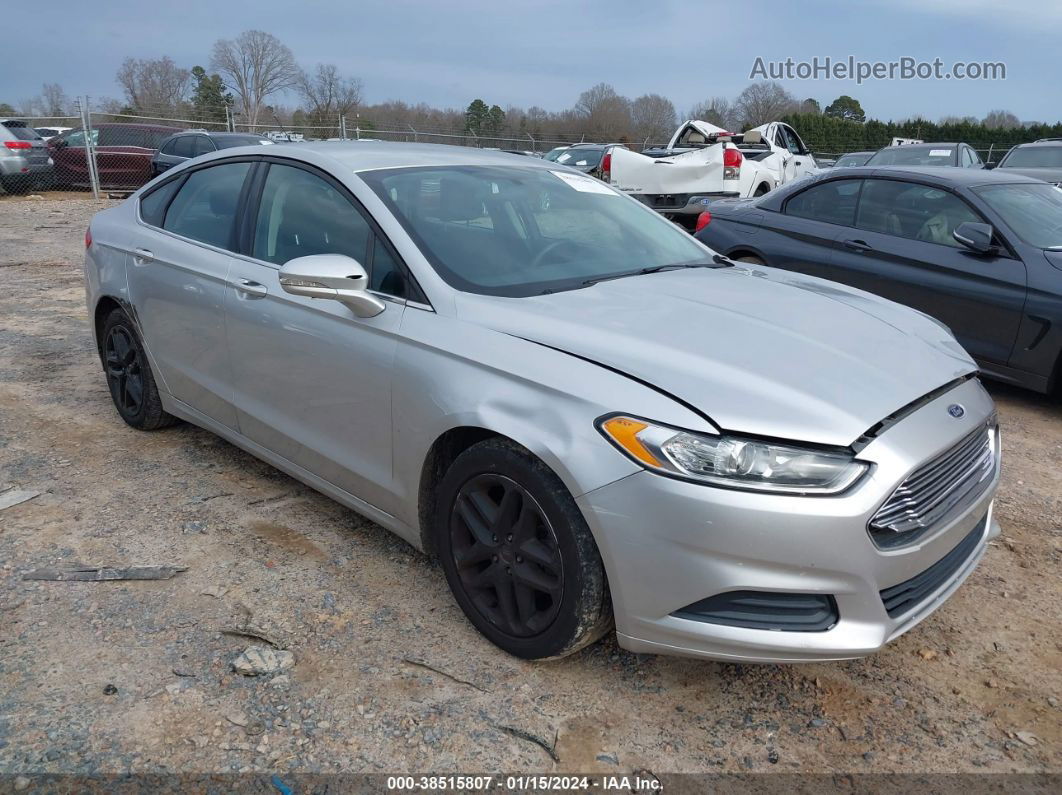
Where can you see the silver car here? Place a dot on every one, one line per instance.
(585, 414)
(24, 158)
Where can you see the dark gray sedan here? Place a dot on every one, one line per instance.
(192, 143)
(979, 250)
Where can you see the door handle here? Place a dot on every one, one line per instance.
(857, 245)
(141, 256)
(250, 289)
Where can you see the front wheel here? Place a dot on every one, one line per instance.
(518, 555)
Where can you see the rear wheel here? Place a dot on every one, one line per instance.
(15, 185)
(518, 555)
(129, 377)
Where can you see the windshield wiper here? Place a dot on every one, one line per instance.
(718, 261)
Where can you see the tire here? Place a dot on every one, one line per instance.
(129, 377)
(15, 185)
(538, 592)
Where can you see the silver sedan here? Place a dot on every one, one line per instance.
(591, 419)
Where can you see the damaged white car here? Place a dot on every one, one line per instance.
(703, 162)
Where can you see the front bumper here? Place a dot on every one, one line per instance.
(668, 544)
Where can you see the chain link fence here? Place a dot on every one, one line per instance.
(117, 152)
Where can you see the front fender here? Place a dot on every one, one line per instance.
(451, 374)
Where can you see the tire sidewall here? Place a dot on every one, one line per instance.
(118, 319)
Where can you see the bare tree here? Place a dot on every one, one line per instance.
(256, 64)
(605, 113)
(1001, 118)
(718, 111)
(652, 118)
(763, 102)
(155, 85)
(328, 95)
(54, 101)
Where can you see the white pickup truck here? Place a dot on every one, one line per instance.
(704, 162)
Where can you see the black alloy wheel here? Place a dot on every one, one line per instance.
(518, 554)
(129, 377)
(125, 375)
(507, 555)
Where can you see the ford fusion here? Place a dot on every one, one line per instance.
(591, 419)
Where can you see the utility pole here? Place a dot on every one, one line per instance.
(90, 147)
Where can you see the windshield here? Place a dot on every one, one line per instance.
(230, 141)
(1033, 157)
(518, 231)
(580, 156)
(852, 160)
(1032, 210)
(943, 155)
(553, 154)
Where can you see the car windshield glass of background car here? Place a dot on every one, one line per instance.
(1033, 211)
(525, 231)
(579, 156)
(1034, 157)
(914, 156)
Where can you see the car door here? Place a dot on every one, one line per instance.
(802, 236)
(901, 247)
(178, 268)
(801, 162)
(312, 380)
(68, 153)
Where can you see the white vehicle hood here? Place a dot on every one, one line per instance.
(759, 351)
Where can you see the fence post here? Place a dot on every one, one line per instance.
(90, 148)
(343, 126)
(411, 127)
(534, 146)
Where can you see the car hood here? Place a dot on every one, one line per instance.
(758, 350)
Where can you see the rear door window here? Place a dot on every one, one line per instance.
(184, 146)
(833, 202)
(204, 209)
(153, 206)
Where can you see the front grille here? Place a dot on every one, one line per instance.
(901, 598)
(937, 490)
(787, 612)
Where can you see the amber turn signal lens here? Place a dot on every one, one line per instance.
(624, 432)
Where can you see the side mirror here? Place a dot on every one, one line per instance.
(334, 276)
(976, 237)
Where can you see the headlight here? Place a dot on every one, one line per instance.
(732, 461)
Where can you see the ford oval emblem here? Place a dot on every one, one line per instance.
(957, 411)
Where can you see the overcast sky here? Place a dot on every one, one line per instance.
(545, 53)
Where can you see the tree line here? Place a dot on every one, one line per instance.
(248, 78)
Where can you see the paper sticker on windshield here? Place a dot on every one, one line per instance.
(940, 153)
(584, 184)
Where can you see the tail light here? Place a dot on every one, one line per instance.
(18, 144)
(88, 236)
(703, 220)
(732, 163)
(606, 167)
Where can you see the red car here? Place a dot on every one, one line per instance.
(123, 154)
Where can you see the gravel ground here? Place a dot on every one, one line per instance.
(388, 676)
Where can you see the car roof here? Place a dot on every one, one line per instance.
(220, 134)
(1048, 143)
(943, 174)
(372, 155)
(934, 145)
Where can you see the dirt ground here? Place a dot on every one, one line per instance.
(136, 676)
